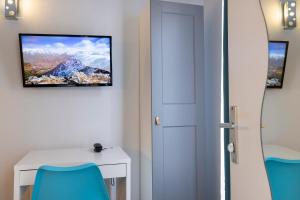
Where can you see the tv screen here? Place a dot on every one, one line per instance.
(277, 60)
(66, 60)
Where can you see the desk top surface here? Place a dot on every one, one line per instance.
(281, 152)
(72, 157)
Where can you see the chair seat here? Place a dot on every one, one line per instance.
(284, 178)
(83, 182)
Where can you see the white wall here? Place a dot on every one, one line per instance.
(48, 118)
(281, 111)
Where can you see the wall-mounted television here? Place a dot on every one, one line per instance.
(66, 60)
(278, 51)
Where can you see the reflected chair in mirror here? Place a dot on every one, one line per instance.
(83, 182)
(284, 178)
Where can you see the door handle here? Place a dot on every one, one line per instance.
(230, 147)
(157, 121)
(233, 134)
(227, 125)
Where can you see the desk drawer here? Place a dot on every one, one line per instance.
(108, 171)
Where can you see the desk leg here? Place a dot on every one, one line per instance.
(17, 187)
(128, 182)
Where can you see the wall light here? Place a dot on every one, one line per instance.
(11, 9)
(289, 14)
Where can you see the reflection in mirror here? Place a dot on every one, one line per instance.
(281, 110)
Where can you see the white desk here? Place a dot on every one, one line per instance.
(113, 163)
(281, 152)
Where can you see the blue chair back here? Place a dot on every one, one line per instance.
(284, 178)
(83, 182)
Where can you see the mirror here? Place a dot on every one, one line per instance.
(281, 110)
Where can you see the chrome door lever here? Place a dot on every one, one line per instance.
(227, 125)
(233, 137)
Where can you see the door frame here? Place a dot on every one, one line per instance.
(226, 101)
(156, 52)
(248, 66)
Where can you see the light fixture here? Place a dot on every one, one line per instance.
(11, 9)
(289, 14)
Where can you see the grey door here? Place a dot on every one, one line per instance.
(178, 93)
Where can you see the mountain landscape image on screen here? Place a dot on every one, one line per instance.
(277, 53)
(63, 60)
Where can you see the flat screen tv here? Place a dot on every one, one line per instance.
(66, 60)
(277, 61)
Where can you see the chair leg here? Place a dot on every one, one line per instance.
(113, 189)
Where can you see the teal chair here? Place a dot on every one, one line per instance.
(284, 178)
(83, 182)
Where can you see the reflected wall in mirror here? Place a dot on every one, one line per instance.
(281, 107)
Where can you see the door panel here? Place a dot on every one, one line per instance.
(180, 176)
(180, 115)
(177, 98)
(248, 63)
(178, 58)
